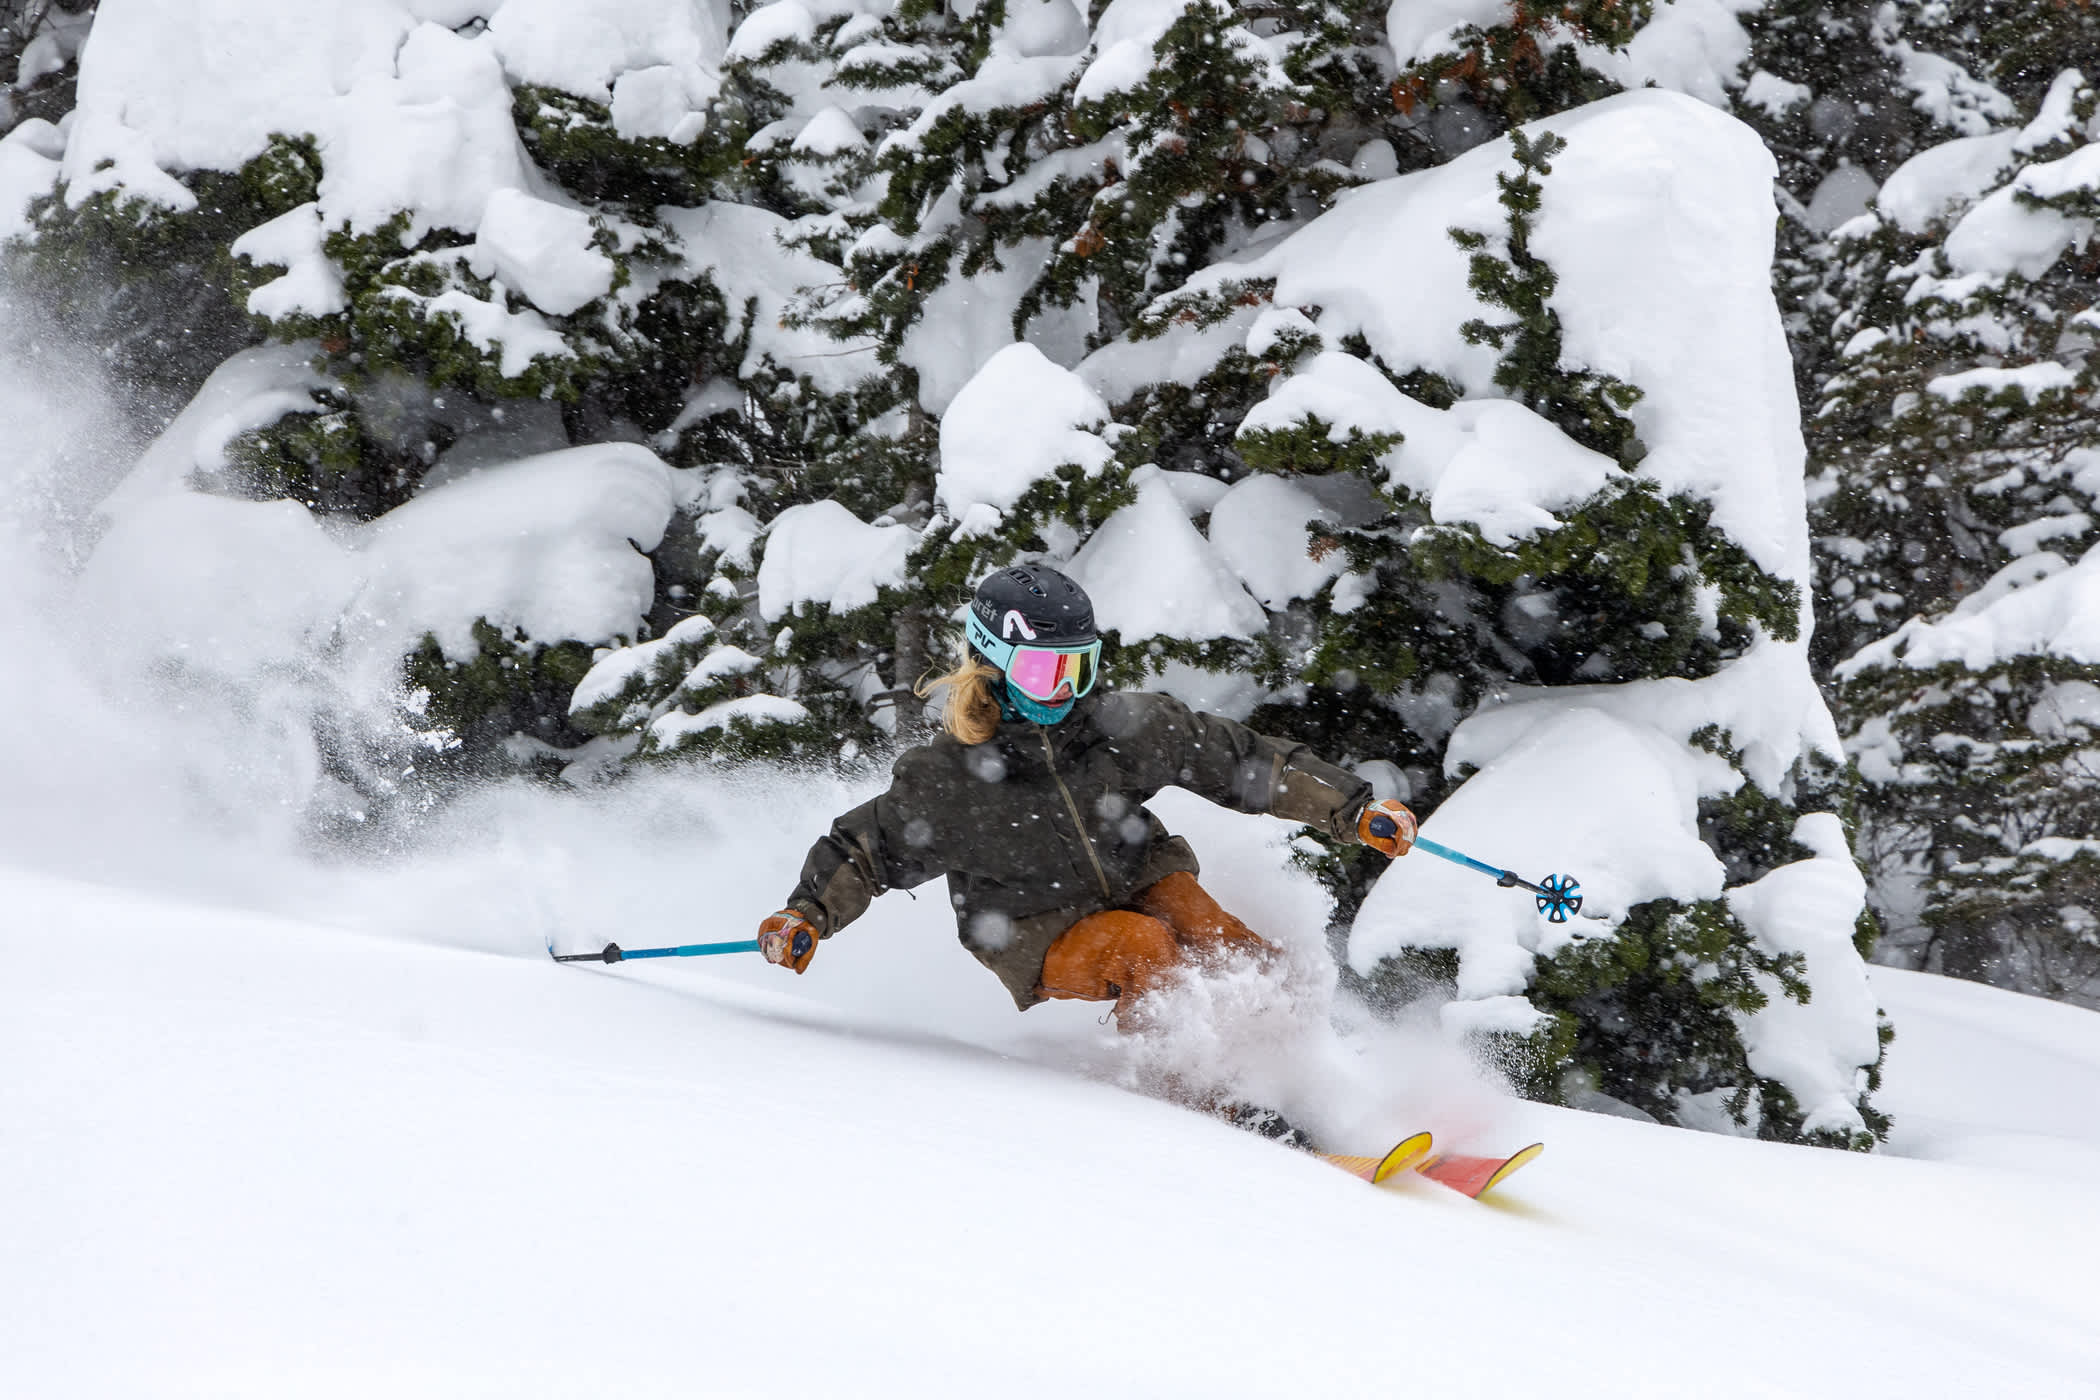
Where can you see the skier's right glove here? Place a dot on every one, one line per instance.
(788, 939)
(1386, 826)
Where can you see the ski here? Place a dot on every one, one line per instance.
(1475, 1176)
(1469, 1176)
(1407, 1153)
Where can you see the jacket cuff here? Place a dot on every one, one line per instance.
(814, 912)
(1321, 795)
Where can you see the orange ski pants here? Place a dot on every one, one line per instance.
(1120, 954)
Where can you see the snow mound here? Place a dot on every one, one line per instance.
(1259, 527)
(2033, 606)
(541, 249)
(1014, 424)
(28, 171)
(554, 546)
(1658, 220)
(823, 554)
(1489, 463)
(409, 114)
(312, 285)
(1816, 1047)
(551, 545)
(1639, 841)
(1943, 181)
(1151, 573)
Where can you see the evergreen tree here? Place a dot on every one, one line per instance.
(792, 287)
(607, 311)
(1428, 619)
(1957, 442)
(1536, 60)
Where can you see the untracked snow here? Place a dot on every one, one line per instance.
(270, 1155)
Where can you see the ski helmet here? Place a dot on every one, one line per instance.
(1033, 603)
(1032, 609)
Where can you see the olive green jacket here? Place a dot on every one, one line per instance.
(1041, 825)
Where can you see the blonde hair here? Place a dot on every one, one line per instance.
(970, 708)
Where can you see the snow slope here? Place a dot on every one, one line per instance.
(252, 1155)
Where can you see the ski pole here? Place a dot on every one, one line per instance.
(615, 953)
(1558, 896)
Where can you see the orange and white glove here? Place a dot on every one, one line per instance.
(1386, 826)
(788, 939)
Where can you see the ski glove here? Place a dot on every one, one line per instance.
(1386, 826)
(788, 939)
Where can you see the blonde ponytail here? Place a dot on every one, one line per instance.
(970, 708)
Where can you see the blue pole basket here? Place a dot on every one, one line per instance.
(1559, 896)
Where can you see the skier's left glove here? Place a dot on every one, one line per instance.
(1386, 826)
(788, 939)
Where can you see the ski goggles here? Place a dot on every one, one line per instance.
(1041, 673)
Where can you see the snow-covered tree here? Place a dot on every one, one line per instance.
(39, 47)
(1957, 442)
(1486, 514)
(769, 331)
(499, 240)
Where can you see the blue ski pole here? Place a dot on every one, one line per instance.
(615, 953)
(1558, 895)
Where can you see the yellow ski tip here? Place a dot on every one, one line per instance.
(1404, 1155)
(1408, 1153)
(1522, 1157)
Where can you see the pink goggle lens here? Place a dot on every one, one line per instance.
(1043, 674)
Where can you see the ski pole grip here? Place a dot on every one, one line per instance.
(1384, 827)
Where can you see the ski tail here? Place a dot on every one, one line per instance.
(1476, 1176)
(1406, 1153)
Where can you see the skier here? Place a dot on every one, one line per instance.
(1031, 803)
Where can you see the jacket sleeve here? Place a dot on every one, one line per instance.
(888, 843)
(1231, 765)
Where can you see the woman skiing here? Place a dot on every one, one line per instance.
(1031, 803)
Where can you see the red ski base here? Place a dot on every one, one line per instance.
(1475, 1176)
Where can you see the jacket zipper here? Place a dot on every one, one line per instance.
(1078, 825)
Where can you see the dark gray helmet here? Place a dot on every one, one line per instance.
(1033, 603)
